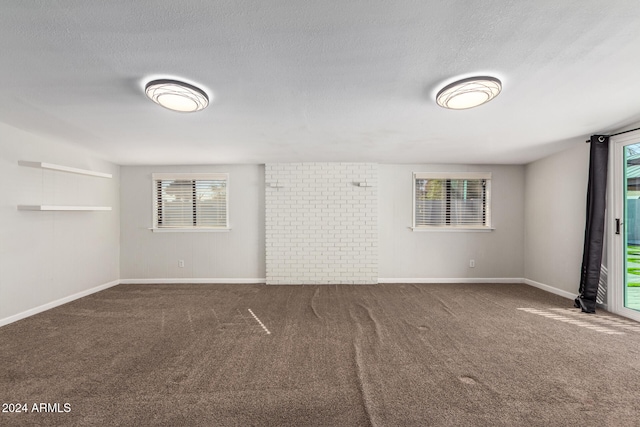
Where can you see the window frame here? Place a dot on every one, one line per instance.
(155, 177)
(454, 176)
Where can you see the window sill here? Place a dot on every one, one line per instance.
(190, 230)
(453, 229)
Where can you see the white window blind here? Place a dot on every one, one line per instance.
(452, 200)
(190, 200)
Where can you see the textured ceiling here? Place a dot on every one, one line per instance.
(300, 80)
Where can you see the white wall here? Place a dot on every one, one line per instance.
(445, 255)
(321, 228)
(402, 253)
(235, 255)
(49, 256)
(555, 203)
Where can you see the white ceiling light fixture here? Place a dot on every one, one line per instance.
(468, 93)
(176, 95)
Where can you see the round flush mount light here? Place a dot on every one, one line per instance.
(176, 95)
(469, 92)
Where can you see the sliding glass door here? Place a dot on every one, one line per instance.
(624, 224)
(631, 199)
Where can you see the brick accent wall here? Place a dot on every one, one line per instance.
(321, 226)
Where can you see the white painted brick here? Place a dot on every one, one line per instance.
(321, 228)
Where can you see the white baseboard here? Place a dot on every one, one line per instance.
(550, 289)
(56, 303)
(188, 280)
(449, 280)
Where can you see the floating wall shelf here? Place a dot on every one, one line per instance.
(51, 166)
(62, 208)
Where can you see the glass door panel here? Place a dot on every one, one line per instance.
(631, 222)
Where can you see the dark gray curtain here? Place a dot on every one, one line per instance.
(594, 227)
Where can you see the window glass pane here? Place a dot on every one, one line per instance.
(430, 202)
(177, 203)
(191, 203)
(211, 203)
(450, 202)
(466, 202)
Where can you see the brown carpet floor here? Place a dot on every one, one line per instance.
(384, 355)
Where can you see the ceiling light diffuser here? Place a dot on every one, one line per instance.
(176, 95)
(469, 93)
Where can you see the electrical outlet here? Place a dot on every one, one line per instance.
(472, 263)
(181, 263)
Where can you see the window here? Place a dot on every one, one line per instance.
(190, 201)
(452, 200)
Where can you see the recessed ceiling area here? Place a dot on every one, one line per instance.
(319, 81)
